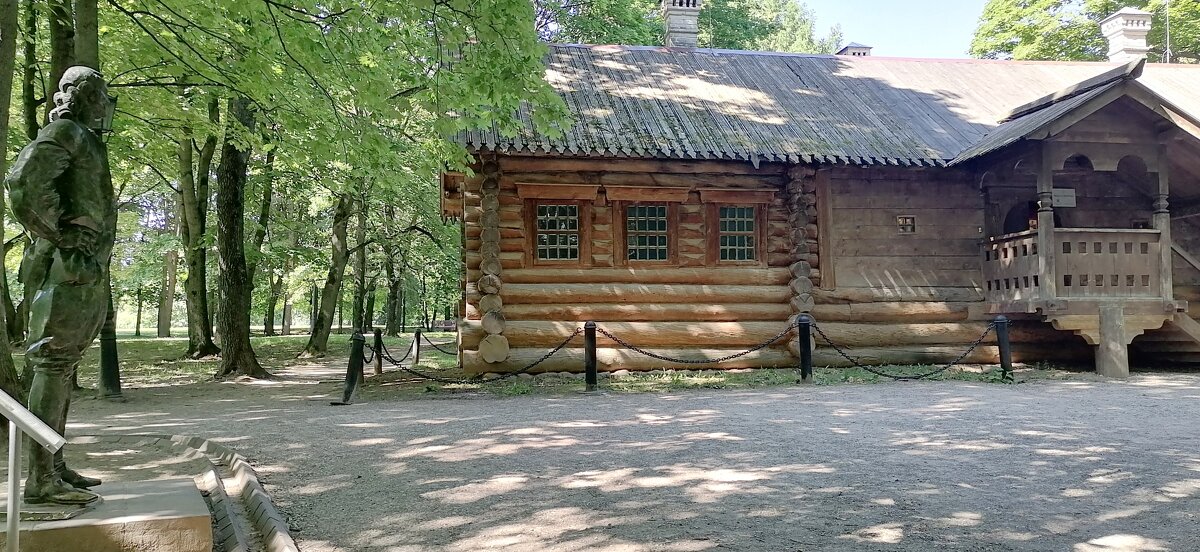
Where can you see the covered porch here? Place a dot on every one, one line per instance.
(1078, 225)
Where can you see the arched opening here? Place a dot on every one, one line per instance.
(1078, 163)
(1023, 216)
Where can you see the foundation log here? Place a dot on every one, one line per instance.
(528, 333)
(610, 359)
(493, 348)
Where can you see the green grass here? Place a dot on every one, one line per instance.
(149, 362)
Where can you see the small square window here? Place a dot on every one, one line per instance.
(907, 224)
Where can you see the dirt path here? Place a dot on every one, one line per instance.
(1080, 465)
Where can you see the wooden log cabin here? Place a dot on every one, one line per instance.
(701, 199)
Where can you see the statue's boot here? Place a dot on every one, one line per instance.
(53, 490)
(76, 479)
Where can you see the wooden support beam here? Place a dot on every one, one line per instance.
(1045, 236)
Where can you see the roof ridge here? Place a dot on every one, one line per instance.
(1129, 71)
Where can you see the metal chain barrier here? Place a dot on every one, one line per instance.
(388, 355)
(504, 376)
(435, 346)
(665, 358)
(857, 363)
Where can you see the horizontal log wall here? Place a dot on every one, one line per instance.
(913, 298)
(671, 309)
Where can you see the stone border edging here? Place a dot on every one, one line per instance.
(265, 518)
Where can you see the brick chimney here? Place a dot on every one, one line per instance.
(1126, 32)
(681, 18)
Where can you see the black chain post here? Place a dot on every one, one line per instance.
(354, 368)
(416, 347)
(378, 350)
(1005, 348)
(804, 337)
(589, 356)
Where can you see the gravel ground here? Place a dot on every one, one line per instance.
(1081, 465)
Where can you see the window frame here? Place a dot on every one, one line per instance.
(713, 231)
(585, 232)
(622, 241)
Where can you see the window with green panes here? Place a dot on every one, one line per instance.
(736, 233)
(646, 234)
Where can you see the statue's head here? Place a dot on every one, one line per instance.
(83, 97)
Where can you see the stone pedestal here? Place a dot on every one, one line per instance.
(143, 516)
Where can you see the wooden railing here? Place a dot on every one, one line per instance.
(1088, 263)
(1010, 267)
(1105, 263)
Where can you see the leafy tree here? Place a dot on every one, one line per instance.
(633, 22)
(1070, 30)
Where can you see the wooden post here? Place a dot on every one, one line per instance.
(416, 353)
(1112, 353)
(378, 344)
(1162, 223)
(1005, 347)
(589, 356)
(805, 341)
(1045, 235)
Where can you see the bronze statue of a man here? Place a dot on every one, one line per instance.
(61, 192)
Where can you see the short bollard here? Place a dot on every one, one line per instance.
(1005, 346)
(589, 356)
(804, 338)
(416, 352)
(378, 344)
(354, 369)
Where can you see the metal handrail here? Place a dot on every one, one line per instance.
(21, 422)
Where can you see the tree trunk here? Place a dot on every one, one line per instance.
(264, 214)
(272, 300)
(318, 342)
(9, 380)
(358, 316)
(137, 321)
(193, 192)
(87, 37)
(341, 307)
(233, 278)
(369, 308)
(62, 44)
(110, 367)
(287, 316)
(314, 304)
(166, 300)
(390, 327)
(403, 306)
(29, 101)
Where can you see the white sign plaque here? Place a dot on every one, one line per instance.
(1064, 197)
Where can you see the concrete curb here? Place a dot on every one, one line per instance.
(264, 517)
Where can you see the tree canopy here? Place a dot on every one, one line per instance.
(1070, 29)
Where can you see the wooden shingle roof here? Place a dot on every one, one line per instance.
(682, 103)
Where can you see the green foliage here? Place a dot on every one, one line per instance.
(631, 22)
(1070, 29)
